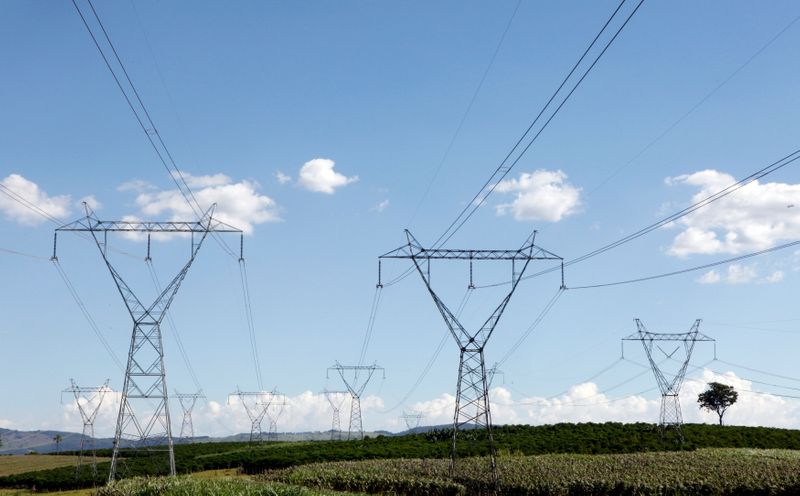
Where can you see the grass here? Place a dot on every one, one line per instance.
(705, 471)
(20, 464)
(207, 486)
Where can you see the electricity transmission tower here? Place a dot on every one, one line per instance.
(350, 377)
(472, 392)
(188, 402)
(336, 399)
(412, 420)
(492, 372)
(88, 400)
(277, 404)
(670, 416)
(255, 404)
(143, 423)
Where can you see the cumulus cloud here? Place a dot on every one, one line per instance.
(756, 217)
(380, 207)
(318, 175)
(238, 203)
(91, 201)
(740, 274)
(540, 195)
(26, 192)
(282, 178)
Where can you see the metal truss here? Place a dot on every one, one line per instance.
(88, 400)
(336, 399)
(255, 403)
(472, 391)
(492, 373)
(356, 387)
(143, 423)
(670, 416)
(277, 404)
(188, 402)
(412, 420)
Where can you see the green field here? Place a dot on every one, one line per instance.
(514, 443)
(704, 472)
(19, 464)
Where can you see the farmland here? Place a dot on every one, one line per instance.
(597, 454)
(705, 471)
(19, 464)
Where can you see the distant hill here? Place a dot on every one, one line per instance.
(21, 442)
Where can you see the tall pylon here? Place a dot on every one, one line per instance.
(472, 391)
(494, 372)
(88, 401)
(355, 386)
(336, 399)
(255, 404)
(143, 423)
(188, 402)
(412, 420)
(670, 416)
(276, 407)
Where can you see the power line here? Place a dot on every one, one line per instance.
(504, 168)
(691, 269)
(466, 112)
(533, 326)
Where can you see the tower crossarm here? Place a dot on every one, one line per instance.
(354, 386)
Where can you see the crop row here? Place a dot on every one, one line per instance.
(705, 472)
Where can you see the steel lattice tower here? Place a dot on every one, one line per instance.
(188, 402)
(336, 406)
(255, 404)
(492, 373)
(472, 391)
(88, 400)
(670, 416)
(412, 420)
(277, 404)
(356, 388)
(143, 423)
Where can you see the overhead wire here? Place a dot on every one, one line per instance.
(466, 112)
(373, 313)
(532, 327)
(174, 329)
(504, 168)
(167, 160)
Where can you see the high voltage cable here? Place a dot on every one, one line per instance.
(531, 328)
(174, 329)
(74, 293)
(23, 254)
(373, 313)
(466, 112)
(692, 269)
(760, 371)
(174, 172)
(759, 174)
(504, 168)
(695, 106)
(433, 358)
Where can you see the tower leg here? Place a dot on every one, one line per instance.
(472, 407)
(356, 429)
(143, 422)
(671, 418)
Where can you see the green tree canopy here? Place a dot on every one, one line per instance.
(717, 398)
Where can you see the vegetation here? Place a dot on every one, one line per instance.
(717, 398)
(181, 486)
(523, 440)
(20, 464)
(706, 471)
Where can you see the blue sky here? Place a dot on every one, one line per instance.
(320, 125)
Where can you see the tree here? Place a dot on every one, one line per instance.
(57, 438)
(717, 398)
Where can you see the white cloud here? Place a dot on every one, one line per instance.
(755, 217)
(710, 277)
(540, 195)
(28, 191)
(136, 185)
(380, 207)
(737, 274)
(775, 277)
(238, 204)
(282, 178)
(318, 175)
(208, 181)
(91, 201)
